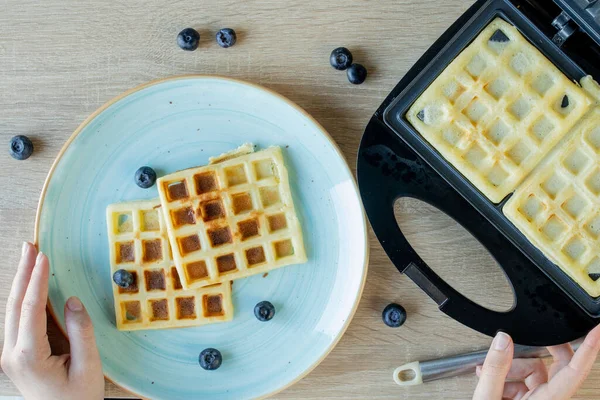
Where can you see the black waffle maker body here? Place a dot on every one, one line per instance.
(394, 161)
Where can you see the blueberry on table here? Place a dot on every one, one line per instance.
(123, 278)
(356, 74)
(20, 147)
(210, 359)
(340, 58)
(226, 37)
(188, 39)
(264, 311)
(394, 315)
(145, 177)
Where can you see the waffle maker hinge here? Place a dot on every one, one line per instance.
(566, 28)
(577, 15)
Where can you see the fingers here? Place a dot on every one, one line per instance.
(514, 390)
(84, 353)
(532, 372)
(566, 382)
(562, 355)
(495, 368)
(33, 322)
(17, 292)
(586, 355)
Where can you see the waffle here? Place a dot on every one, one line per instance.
(232, 218)
(138, 243)
(558, 206)
(497, 109)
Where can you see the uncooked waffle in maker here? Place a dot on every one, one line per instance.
(558, 206)
(232, 218)
(138, 243)
(497, 109)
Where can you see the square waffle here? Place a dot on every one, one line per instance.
(497, 109)
(558, 206)
(232, 218)
(138, 243)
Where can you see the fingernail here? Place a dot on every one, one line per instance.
(39, 257)
(74, 304)
(501, 341)
(24, 249)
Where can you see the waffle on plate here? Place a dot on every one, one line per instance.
(138, 243)
(232, 218)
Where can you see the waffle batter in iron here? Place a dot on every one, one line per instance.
(498, 109)
(501, 110)
(558, 206)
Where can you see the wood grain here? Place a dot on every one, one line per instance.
(62, 59)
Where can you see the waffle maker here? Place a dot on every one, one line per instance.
(395, 161)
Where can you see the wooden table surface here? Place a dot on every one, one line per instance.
(60, 60)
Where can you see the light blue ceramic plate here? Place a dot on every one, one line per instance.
(175, 124)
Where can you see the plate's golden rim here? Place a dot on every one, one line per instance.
(238, 81)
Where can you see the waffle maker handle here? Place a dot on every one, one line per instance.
(387, 170)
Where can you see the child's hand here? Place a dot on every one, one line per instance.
(26, 356)
(529, 378)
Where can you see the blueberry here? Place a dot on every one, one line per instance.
(145, 177)
(210, 359)
(123, 278)
(594, 276)
(565, 102)
(356, 74)
(226, 37)
(421, 115)
(20, 147)
(264, 311)
(188, 39)
(340, 58)
(394, 315)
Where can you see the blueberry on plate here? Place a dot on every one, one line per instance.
(145, 177)
(264, 311)
(210, 359)
(20, 147)
(188, 39)
(340, 58)
(394, 315)
(226, 37)
(123, 278)
(357, 74)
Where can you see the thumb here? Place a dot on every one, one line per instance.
(84, 353)
(495, 369)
